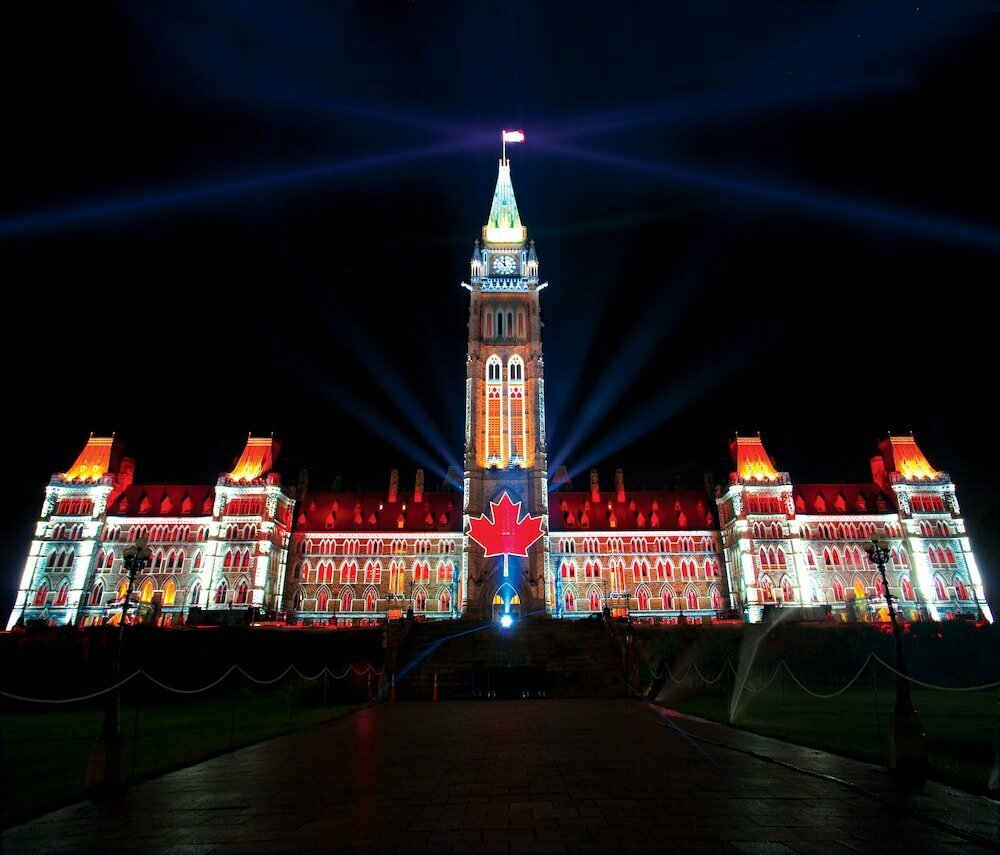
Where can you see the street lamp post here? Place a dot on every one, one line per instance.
(107, 757)
(907, 748)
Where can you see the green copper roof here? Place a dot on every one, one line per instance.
(504, 224)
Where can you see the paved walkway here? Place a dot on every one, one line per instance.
(521, 776)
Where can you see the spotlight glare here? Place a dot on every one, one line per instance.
(506, 621)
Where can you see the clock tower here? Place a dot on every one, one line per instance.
(505, 404)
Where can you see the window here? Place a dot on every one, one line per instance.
(716, 598)
(371, 600)
(961, 591)
(220, 592)
(667, 595)
(594, 600)
(692, 598)
(567, 570)
(445, 572)
(494, 430)
(322, 600)
(373, 572)
(146, 591)
(569, 600)
(939, 591)
(195, 594)
(766, 590)
(242, 591)
(642, 595)
(62, 595)
(640, 570)
(838, 589)
(97, 594)
(787, 591)
(420, 600)
(444, 601)
(859, 587)
(907, 587)
(169, 592)
(346, 600)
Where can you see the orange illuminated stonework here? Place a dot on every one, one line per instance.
(752, 462)
(904, 456)
(93, 462)
(257, 459)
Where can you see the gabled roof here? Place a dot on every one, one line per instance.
(654, 511)
(257, 459)
(369, 512)
(164, 500)
(504, 223)
(836, 499)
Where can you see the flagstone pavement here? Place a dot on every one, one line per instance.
(521, 776)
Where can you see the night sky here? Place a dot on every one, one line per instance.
(226, 217)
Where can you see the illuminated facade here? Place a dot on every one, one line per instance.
(336, 557)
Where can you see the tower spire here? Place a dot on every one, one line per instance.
(504, 223)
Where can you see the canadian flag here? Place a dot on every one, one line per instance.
(513, 136)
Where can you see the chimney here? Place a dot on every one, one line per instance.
(595, 487)
(620, 485)
(393, 485)
(418, 487)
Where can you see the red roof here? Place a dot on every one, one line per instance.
(357, 512)
(675, 510)
(164, 500)
(842, 499)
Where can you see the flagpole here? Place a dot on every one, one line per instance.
(503, 143)
(505, 565)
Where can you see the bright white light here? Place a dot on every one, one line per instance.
(506, 621)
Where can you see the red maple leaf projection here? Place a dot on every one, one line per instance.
(505, 534)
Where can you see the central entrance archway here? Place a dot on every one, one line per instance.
(506, 602)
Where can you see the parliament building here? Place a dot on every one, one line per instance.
(248, 542)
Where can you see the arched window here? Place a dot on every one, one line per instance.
(515, 408)
(420, 600)
(169, 592)
(907, 587)
(444, 600)
(667, 596)
(642, 596)
(146, 591)
(569, 600)
(766, 590)
(594, 600)
(371, 600)
(242, 590)
(939, 591)
(195, 594)
(879, 587)
(961, 590)
(692, 598)
(500, 324)
(494, 400)
(220, 592)
(346, 600)
(859, 587)
(322, 600)
(298, 599)
(787, 591)
(62, 595)
(716, 598)
(838, 588)
(97, 594)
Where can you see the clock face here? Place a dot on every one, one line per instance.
(504, 264)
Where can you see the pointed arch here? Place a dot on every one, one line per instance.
(221, 592)
(371, 599)
(715, 593)
(787, 590)
(667, 597)
(594, 598)
(569, 600)
(323, 599)
(691, 595)
(146, 591)
(642, 598)
(169, 592)
(444, 600)
(420, 599)
(195, 594)
(242, 591)
(838, 588)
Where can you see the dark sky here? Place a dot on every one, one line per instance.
(226, 217)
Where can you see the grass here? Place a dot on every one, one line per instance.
(961, 727)
(45, 750)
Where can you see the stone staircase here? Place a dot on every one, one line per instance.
(536, 657)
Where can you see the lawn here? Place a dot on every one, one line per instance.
(961, 727)
(45, 749)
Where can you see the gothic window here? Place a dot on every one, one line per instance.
(838, 588)
(569, 600)
(420, 600)
(444, 600)
(568, 570)
(62, 594)
(642, 595)
(373, 572)
(692, 598)
(879, 587)
(787, 591)
(766, 590)
(169, 592)
(520, 325)
(220, 592)
(907, 587)
(146, 591)
(494, 399)
(371, 600)
(396, 576)
(242, 590)
(500, 324)
(618, 575)
(667, 596)
(348, 572)
(195, 594)
(716, 598)
(97, 594)
(961, 591)
(664, 570)
(939, 591)
(298, 600)
(516, 416)
(346, 600)
(859, 587)
(510, 324)
(488, 324)
(41, 593)
(444, 572)
(592, 570)
(322, 600)
(594, 600)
